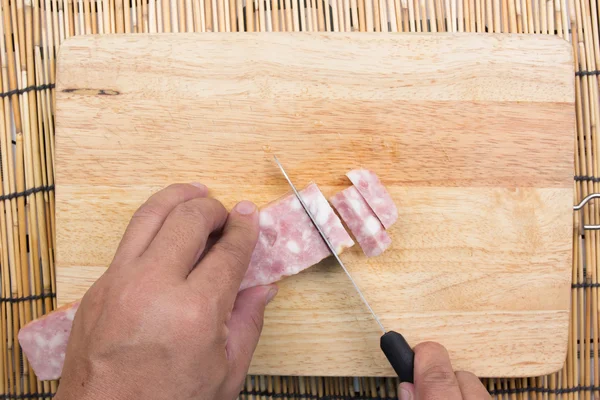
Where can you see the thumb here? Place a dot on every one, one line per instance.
(406, 391)
(245, 327)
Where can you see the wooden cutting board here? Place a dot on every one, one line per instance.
(472, 134)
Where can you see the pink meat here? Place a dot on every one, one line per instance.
(375, 194)
(288, 241)
(44, 341)
(362, 222)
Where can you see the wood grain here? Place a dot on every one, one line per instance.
(472, 134)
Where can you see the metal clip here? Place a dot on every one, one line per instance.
(583, 202)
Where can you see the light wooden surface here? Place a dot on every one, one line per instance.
(472, 134)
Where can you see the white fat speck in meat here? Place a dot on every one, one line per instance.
(355, 204)
(70, 313)
(295, 203)
(293, 247)
(372, 225)
(265, 219)
(41, 341)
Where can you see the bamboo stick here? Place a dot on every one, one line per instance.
(588, 118)
(302, 6)
(4, 374)
(572, 344)
(460, 15)
(496, 13)
(452, 23)
(93, 4)
(470, 16)
(87, 17)
(392, 14)
(421, 15)
(354, 23)
(432, 20)
(346, 9)
(320, 18)
(290, 15)
(261, 15)
(249, 16)
(447, 16)
(376, 18)
(33, 168)
(268, 13)
(61, 22)
(550, 16)
(479, 10)
(275, 16)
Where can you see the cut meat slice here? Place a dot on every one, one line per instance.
(362, 222)
(288, 241)
(375, 194)
(44, 341)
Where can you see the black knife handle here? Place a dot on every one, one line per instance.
(399, 354)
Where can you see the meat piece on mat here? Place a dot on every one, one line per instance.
(376, 195)
(288, 241)
(364, 225)
(44, 341)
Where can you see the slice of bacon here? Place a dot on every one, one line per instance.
(362, 221)
(375, 194)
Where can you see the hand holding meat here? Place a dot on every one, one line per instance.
(166, 320)
(436, 380)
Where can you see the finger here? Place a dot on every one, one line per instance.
(245, 327)
(434, 376)
(176, 248)
(149, 217)
(471, 387)
(406, 391)
(223, 267)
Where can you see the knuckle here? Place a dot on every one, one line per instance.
(192, 316)
(234, 250)
(431, 348)
(192, 210)
(173, 187)
(177, 189)
(240, 224)
(200, 317)
(438, 375)
(205, 310)
(465, 375)
(147, 210)
(472, 384)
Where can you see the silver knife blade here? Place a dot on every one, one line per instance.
(329, 245)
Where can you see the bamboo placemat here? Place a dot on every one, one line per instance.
(32, 33)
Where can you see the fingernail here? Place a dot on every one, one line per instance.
(199, 185)
(271, 294)
(245, 207)
(404, 393)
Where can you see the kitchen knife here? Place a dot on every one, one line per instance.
(394, 346)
